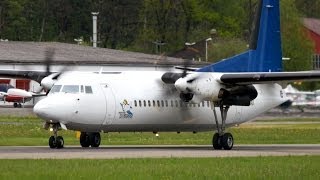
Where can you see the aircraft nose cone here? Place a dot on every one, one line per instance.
(50, 109)
(41, 109)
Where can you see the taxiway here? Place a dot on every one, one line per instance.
(114, 152)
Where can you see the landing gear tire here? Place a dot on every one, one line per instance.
(15, 105)
(84, 140)
(216, 141)
(52, 142)
(227, 141)
(56, 142)
(59, 142)
(95, 139)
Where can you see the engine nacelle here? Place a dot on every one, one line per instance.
(201, 86)
(206, 87)
(239, 95)
(48, 82)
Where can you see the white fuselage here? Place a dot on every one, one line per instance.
(140, 101)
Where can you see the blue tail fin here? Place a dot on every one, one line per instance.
(265, 54)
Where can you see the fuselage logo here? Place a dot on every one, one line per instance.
(126, 110)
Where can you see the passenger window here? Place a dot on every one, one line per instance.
(70, 89)
(171, 103)
(149, 103)
(208, 103)
(144, 103)
(166, 102)
(135, 103)
(154, 103)
(202, 103)
(88, 89)
(139, 103)
(158, 103)
(177, 104)
(162, 103)
(55, 89)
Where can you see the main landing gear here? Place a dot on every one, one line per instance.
(221, 139)
(90, 139)
(56, 141)
(17, 105)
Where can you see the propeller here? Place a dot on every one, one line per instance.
(49, 53)
(50, 77)
(172, 77)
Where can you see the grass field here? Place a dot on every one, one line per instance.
(305, 167)
(29, 131)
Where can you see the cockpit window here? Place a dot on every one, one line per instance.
(55, 88)
(81, 89)
(70, 89)
(88, 89)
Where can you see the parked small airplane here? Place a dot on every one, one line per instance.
(8, 93)
(300, 99)
(240, 88)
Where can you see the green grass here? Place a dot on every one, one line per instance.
(29, 131)
(302, 167)
(290, 120)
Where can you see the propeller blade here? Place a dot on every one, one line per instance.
(186, 66)
(48, 60)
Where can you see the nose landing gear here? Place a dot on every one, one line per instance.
(56, 141)
(221, 139)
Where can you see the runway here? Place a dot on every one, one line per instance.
(150, 151)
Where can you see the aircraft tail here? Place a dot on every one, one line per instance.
(264, 54)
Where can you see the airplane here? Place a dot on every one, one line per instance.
(211, 98)
(300, 99)
(8, 93)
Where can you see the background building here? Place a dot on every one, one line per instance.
(32, 56)
(312, 27)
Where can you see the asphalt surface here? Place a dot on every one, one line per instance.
(115, 152)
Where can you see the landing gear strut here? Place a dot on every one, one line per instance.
(90, 139)
(221, 139)
(56, 141)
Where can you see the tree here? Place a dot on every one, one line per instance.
(295, 42)
(309, 8)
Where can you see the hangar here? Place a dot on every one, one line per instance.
(31, 56)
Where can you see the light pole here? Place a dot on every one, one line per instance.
(94, 19)
(209, 39)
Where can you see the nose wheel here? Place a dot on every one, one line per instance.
(56, 141)
(90, 139)
(221, 139)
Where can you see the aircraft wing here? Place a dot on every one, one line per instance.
(269, 77)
